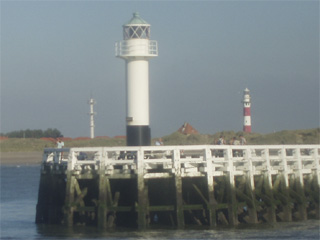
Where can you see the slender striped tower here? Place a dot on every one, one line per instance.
(246, 111)
(136, 49)
(91, 102)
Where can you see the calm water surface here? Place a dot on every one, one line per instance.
(19, 192)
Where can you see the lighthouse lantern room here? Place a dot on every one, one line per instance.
(136, 49)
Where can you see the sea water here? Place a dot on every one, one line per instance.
(19, 193)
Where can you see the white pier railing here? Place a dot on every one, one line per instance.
(191, 160)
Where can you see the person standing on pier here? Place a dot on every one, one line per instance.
(235, 141)
(221, 142)
(159, 142)
(60, 144)
(243, 141)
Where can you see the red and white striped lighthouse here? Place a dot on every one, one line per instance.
(246, 111)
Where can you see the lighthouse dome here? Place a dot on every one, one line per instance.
(137, 20)
(136, 28)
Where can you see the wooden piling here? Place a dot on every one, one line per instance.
(69, 207)
(102, 203)
(231, 191)
(299, 186)
(212, 203)
(142, 197)
(178, 187)
(283, 189)
(250, 189)
(281, 192)
(268, 198)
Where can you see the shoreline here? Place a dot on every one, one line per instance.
(20, 158)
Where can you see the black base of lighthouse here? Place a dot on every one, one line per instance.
(138, 136)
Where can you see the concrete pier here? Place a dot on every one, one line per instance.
(179, 186)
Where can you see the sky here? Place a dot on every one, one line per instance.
(55, 55)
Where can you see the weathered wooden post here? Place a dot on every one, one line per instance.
(178, 188)
(315, 155)
(283, 191)
(142, 198)
(68, 215)
(102, 203)
(51, 194)
(267, 186)
(231, 193)
(71, 179)
(250, 188)
(299, 185)
(45, 200)
(316, 181)
(210, 181)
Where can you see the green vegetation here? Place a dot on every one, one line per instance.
(38, 133)
(34, 145)
(309, 136)
(23, 145)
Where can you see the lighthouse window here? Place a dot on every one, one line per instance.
(131, 32)
(144, 32)
(139, 32)
(136, 32)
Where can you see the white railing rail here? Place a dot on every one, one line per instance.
(143, 48)
(192, 160)
(55, 155)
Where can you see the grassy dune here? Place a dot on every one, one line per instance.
(34, 145)
(308, 136)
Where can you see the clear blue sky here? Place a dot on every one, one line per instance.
(55, 54)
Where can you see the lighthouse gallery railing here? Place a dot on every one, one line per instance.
(143, 48)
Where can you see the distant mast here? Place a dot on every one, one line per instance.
(91, 102)
(247, 111)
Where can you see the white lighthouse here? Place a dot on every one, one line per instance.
(246, 111)
(136, 49)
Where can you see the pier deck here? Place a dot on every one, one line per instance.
(179, 185)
